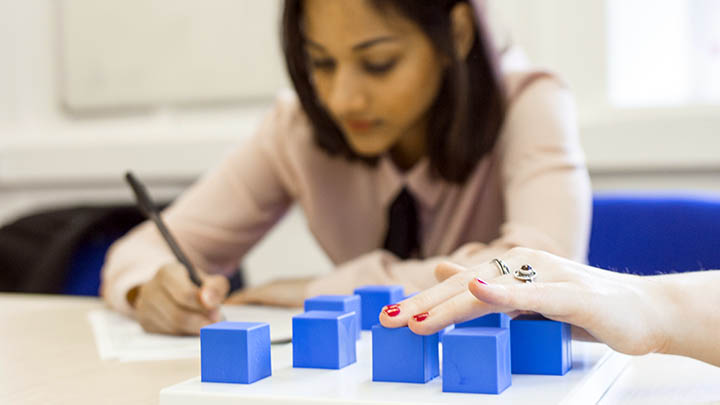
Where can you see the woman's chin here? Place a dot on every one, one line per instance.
(369, 154)
(368, 149)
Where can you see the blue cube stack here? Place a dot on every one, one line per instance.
(374, 298)
(540, 346)
(324, 339)
(442, 332)
(399, 355)
(488, 321)
(476, 360)
(235, 352)
(341, 303)
(478, 355)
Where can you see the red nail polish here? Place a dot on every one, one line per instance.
(421, 317)
(480, 281)
(393, 306)
(392, 311)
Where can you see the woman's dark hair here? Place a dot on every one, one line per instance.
(467, 115)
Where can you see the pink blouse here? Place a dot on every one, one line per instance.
(533, 190)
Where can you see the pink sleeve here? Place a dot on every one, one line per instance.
(547, 193)
(216, 220)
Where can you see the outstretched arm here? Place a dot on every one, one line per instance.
(671, 314)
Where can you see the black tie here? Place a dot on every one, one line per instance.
(403, 233)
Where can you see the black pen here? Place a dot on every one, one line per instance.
(151, 212)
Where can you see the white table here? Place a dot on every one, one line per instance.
(48, 356)
(595, 368)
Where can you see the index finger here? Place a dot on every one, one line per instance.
(399, 314)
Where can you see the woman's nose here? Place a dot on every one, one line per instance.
(348, 95)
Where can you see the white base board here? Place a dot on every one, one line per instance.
(595, 368)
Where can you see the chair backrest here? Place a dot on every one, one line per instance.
(651, 234)
(61, 250)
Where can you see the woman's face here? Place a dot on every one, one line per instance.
(377, 74)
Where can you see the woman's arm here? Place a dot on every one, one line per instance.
(215, 221)
(691, 301)
(546, 193)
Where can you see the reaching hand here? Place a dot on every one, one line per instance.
(624, 311)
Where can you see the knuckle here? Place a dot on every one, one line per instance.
(524, 254)
(541, 256)
(439, 271)
(517, 251)
(459, 281)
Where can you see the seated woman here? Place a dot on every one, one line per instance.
(405, 143)
(673, 314)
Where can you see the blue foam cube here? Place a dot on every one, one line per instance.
(323, 339)
(374, 298)
(235, 352)
(399, 355)
(476, 360)
(540, 346)
(498, 320)
(342, 303)
(442, 332)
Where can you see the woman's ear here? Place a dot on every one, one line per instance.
(463, 29)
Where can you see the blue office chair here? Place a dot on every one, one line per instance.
(88, 255)
(652, 234)
(61, 250)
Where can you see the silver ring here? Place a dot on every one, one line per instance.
(504, 269)
(526, 273)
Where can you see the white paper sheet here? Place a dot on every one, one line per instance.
(121, 338)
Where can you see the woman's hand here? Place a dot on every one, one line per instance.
(621, 310)
(171, 303)
(281, 293)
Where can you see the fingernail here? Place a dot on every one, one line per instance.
(421, 317)
(480, 281)
(392, 310)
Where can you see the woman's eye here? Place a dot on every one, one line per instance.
(379, 68)
(323, 64)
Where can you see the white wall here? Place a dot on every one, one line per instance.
(570, 37)
(50, 154)
(46, 147)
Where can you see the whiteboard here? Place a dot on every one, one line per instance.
(139, 53)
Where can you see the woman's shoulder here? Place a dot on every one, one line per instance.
(286, 126)
(540, 109)
(288, 115)
(533, 85)
(520, 76)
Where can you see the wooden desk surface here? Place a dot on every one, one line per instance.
(48, 356)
